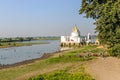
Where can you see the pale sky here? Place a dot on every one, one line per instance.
(42, 18)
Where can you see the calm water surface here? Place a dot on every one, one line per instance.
(18, 54)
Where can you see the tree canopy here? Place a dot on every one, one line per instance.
(107, 20)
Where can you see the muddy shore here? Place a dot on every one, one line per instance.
(45, 55)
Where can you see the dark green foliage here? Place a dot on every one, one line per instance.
(107, 16)
(115, 51)
(62, 75)
(0, 44)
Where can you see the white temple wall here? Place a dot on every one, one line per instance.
(74, 39)
(70, 39)
(63, 38)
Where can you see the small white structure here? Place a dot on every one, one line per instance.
(73, 39)
(88, 41)
(88, 36)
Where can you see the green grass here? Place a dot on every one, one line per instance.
(12, 73)
(67, 58)
(68, 73)
(63, 75)
(86, 49)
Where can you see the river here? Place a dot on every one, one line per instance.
(18, 54)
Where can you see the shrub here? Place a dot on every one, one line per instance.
(115, 50)
(62, 75)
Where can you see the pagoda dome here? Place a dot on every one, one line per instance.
(75, 32)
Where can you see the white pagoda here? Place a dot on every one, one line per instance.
(73, 39)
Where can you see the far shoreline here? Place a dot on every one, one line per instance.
(20, 44)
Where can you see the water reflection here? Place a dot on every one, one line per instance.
(18, 54)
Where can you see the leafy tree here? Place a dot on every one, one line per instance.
(107, 20)
(21, 39)
(29, 38)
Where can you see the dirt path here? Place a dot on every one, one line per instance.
(104, 69)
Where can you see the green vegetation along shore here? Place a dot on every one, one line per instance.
(23, 41)
(66, 65)
(17, 44)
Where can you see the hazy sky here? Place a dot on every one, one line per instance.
(42, 18)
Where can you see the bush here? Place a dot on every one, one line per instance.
(62, 75)
(0, 44)
(115, 50)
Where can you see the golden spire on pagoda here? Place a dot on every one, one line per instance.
(75, 29)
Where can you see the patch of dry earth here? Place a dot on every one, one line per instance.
(104, 69)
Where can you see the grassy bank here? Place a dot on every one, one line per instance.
(17, 44)
(64, 63)
(63, 75)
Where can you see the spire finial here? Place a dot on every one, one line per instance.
(75, 28)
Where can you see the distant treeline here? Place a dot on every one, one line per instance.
(21, 39)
